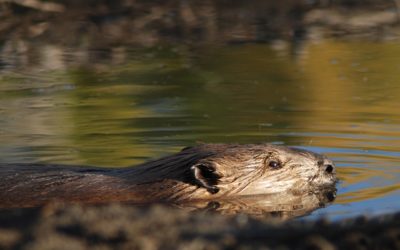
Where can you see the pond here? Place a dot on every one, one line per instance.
(120, 107)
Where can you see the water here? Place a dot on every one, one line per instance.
(336, 97)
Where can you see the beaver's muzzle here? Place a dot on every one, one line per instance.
(327, 172)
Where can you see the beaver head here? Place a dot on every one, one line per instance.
(228, 170)
(261, 169)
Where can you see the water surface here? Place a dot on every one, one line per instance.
(336, 97)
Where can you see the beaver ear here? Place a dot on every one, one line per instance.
(206, 176)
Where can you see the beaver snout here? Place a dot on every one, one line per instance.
(328, 170)
(327, 166)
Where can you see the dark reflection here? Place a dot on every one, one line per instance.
(280, 205)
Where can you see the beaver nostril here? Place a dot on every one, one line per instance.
(331, 196)
(329, 168)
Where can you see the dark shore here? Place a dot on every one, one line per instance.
(116, 27)
(123, 227)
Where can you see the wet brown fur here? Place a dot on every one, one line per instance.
(195, 173)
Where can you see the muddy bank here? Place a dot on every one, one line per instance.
(157, 227)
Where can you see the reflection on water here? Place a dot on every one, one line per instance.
(340, 98)
(283, 206)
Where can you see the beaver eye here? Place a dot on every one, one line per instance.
(274, 164)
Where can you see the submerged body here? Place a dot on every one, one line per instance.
(201, 173)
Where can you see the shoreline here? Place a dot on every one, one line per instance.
(115, 226)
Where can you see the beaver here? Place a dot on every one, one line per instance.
(203, 172)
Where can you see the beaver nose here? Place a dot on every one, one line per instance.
(328, 168)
